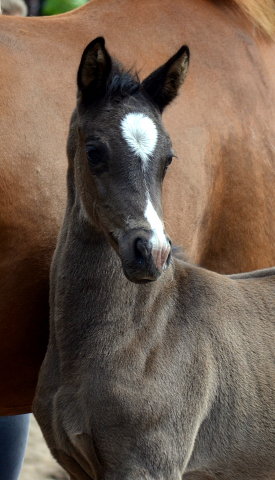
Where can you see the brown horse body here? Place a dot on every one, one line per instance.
(143, 379)
(219, 200)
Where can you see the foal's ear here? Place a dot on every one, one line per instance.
(164, 83)
(94, 70)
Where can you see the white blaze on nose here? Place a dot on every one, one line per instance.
(140, 134)
(159, 239)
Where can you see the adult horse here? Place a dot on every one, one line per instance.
(219, 195)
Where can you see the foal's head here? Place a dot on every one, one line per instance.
(122, 155)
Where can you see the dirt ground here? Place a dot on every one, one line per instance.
(39, 463)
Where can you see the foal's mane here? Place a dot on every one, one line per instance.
(261, 12)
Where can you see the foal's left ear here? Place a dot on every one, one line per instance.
(94, 70)
(164, 83)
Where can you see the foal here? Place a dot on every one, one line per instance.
(145, 379)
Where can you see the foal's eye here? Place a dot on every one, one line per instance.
(94, 156)
(167, 163)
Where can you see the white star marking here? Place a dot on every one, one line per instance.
(140, 134)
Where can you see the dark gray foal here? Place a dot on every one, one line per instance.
(145, 379)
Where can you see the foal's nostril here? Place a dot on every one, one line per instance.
(143, 249)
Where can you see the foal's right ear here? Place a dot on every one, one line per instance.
(94, 70)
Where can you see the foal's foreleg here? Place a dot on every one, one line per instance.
(74, 470)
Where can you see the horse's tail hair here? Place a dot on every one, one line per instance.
(261, 12)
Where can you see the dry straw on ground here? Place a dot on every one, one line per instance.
(39, 463)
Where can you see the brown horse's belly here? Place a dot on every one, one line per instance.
(27, 241)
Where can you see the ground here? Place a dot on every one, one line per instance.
(39, 463)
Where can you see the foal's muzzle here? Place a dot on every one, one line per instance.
(142, 259)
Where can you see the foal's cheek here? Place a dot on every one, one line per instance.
(99, 188)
